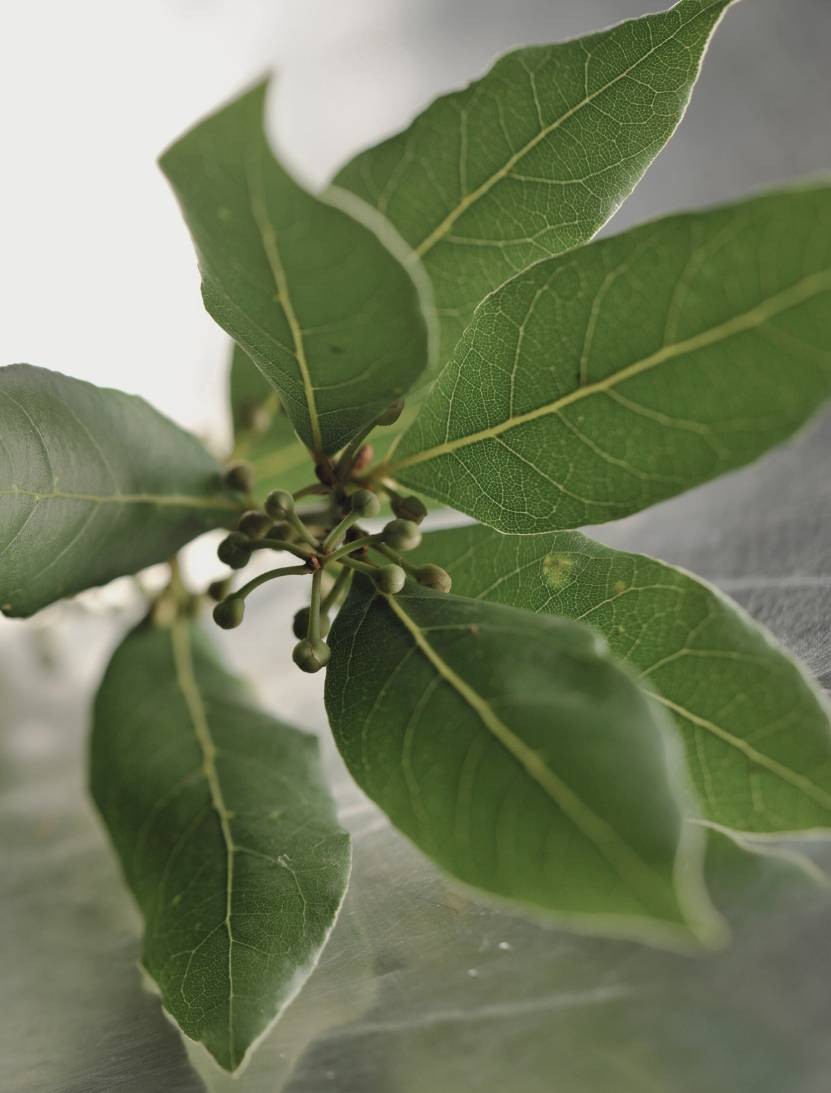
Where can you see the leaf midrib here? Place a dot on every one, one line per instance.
(790, 777)
(796, 294)
(170, 499)
(441, 230)
(186, 680)
(268, 237)
(623, 859)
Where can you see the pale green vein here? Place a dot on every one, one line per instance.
(186, 679)
(468, 199)
(620, 856)
(272, 252)
(757, 316)
(773, 766)
(172, 500)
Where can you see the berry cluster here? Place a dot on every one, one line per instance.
(330, 547)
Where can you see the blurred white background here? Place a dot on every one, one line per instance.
(97, 273)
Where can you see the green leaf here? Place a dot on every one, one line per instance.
(532, 159)
(265, 438)
(596, 384)
(755, 726)
(225, 831)
(94, 484)
(512, 749)
(263, 434)
(316, 298)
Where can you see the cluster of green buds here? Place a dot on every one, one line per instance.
(330, 549)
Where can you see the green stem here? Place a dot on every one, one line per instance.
(269, 575)
(176, 583)
(294, 520)
(336, 593)
(349, 548)
(388, 552)
(313, 633)
(359, 567)
(338, 531)
(281, 544)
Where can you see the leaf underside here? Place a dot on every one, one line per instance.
(512, 750)
(595, 384)
(94, 484)
(534, 157)
(225, 831)
(315, 298)
(755, 727)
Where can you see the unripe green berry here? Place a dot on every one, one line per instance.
(433, 576)
(279, 503)
(311, 656)
(234, 551)
(239, 477)
(392, 413)
(401, 535)
(390, 579)
(300, 626)
(409, 508)
(255, 524)
(229, 613)
(364, 503)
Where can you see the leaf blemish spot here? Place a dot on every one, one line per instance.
(556, 569)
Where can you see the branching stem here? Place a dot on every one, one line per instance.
(270, 575)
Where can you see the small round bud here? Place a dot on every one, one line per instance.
(390, 579)
(401, 535)
(279, 503)
(229, 613)
(364, 503)
(300, 625)
(239, 477)
(218, 590)
(254, 524)
(311, 656)
(283, 531)
(409, 508)
(392, 413)
(433, 576)
(234, 551)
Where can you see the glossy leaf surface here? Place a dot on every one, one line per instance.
(511, 749)
(314, 297)
(598, 383)
(225, 831)
(534, 157)
(756, 727)
(94, 484)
